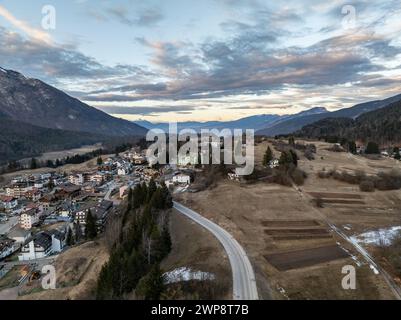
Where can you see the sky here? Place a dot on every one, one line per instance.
(182, 60)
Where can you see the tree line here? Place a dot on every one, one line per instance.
(144, 241)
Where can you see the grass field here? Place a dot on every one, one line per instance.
(269, 219)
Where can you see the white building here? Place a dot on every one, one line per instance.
(190, 159)
(182, 178)
(37, 247)
(97, 177)
(28, 219)
(274, 163)
(77, 179)
(123, 171)
(19, 235)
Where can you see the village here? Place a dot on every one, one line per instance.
(44, 214)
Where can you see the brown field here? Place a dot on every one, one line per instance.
(206, 255)
(68, 168)
(54, 155)
(332, 195)
(289, 223)
(249, 211)
(342, 201)
(305, 258)
(77, 272)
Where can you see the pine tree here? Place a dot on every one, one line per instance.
(397, 155)
(34, 164)
(157, 201)
(294, 157)
(352, 147)
(152, 188)
(268, 156)
(90, 226)
(99, 161)
(152, 285)
(372, 148)
(78, 232)
(70, 238)
(130, 198)
(167, 198)
(166, 240)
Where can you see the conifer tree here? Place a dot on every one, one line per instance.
(152, 285)
(268, 156)
(70, 237)
(90, 226)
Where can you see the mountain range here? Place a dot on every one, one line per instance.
(37, 103)
(36, 117)
(257, 122)
(382, 126)
(272, 124)
(296, 123)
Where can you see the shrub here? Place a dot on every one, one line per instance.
(367, 186)
(298, 176)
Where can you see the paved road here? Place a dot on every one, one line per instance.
(244, 283)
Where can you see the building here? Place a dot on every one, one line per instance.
(8, 202)
(234, 176)
(33, 194)
(46, 201)
(58, 240)
(274, 163)
(182, 178)
(66, 209)
(7, 247)
(29, 218)
(97, 177)
(38, 247)
(19, 235)
(99, 210)
(18, 189)
(68, 191)
(76, 179)
(123, 171)
(190, 159)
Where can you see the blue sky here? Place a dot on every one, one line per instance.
(211, 59)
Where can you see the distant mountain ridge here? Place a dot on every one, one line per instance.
(294, 124)
(256, 122)
(382, 126)
(37, 103)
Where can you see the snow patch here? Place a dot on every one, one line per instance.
(71, 117)
(186, 274)
(376, 272)
(378, 237)
(3, 70)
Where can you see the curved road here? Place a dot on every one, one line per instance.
(244, 283)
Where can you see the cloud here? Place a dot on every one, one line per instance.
(266, 56)
(51, 62)
(145, 110)
(36, 34)
(146, 17)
